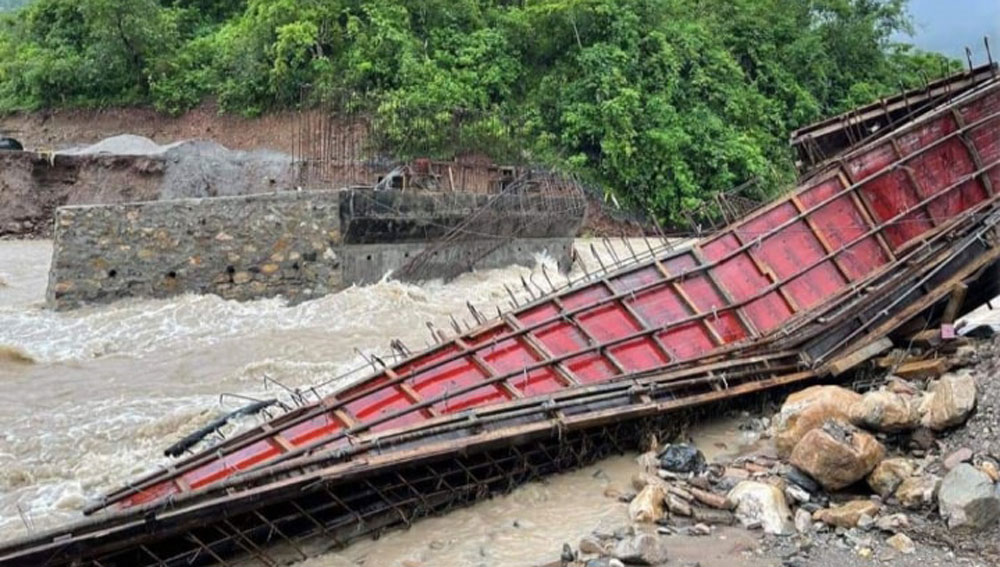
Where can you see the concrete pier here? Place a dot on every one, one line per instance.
(299, 245)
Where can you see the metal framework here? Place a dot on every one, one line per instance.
(879, 237)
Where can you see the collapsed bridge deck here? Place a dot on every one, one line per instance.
(881, 236)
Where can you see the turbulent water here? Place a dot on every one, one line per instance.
(90, 398)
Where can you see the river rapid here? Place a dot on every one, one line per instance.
(90, 398)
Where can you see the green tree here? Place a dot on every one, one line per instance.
(662, 102)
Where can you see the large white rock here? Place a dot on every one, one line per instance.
(949, 401)
(759, 504)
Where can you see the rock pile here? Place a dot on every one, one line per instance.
(855, 467)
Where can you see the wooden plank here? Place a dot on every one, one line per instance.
(748, 325)
(638, 320)
(689, 303)
(543, 353)
(977, 158)
(861, 203)
(820, 237)
(920, 369)
(918, 188)
(845, 363)
(589, 337)
(490, 372)
(768, 272)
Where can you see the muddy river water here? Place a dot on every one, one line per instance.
(90, 398)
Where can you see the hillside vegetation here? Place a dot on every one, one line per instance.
(662, 101)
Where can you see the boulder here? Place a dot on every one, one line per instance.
(918, 491)
(949, 401)
(889, 474)
(837, 454)
(648, 505)
(682, 458)
(886, 411)
(967, 499)
(764, 505)
(847, 515)
(641, 549)
(807, 410)
(901, 543)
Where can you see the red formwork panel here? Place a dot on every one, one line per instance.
(737, 286)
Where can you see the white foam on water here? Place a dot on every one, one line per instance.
(113, 386)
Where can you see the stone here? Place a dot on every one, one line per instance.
(901, 543)
(700, 530)
(568, 555)
(677, 505)
(641, 549)
(967, 499)
(990, 468)
(590, 545)
(803, 521)
(893, 522)
(764, 505)
(885, 411)
(713, 517)
(802, 480)
(648, 463)
(613, 526)
(796, 493)
(648, 505)
(957, 457)
(837, 454)
(923, 438)
(682, 458)
(964, 355)
(889, 474)
(918, 491)
(847, 515)
(866, 522)
(949, 400)
(807, 410)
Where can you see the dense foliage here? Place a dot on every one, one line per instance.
(665, 101)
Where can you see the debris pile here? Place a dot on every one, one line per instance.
(875, 472)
